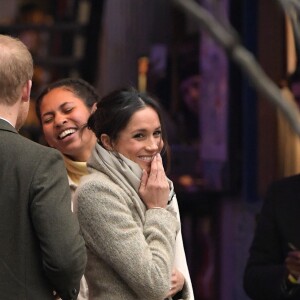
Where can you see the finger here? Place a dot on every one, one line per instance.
(293, 270)
(295, 254)
(295, 273)
(292, 260)
(160, 165)
(144, 180)
(153, 169)
(173, 276)
(161, 175)
(170, 293)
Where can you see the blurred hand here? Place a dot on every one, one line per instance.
(292, 263)
(177, 282)
(56, 296)
(154, 189)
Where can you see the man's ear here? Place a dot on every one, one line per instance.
(105, 140)
(26, 90)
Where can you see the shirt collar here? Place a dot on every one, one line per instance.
(6, 121)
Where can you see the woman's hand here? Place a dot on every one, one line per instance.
(292, 263)
(177, 282)
(154, 189)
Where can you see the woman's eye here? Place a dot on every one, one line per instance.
(68, 109)
(138, 136)
(48, 120)
(157, 133)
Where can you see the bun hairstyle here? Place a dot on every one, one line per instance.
(115, 110)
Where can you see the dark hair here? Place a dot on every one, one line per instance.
(294, 78)
(114, 111)
(79, 87)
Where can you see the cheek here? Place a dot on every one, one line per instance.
(87, 134)
(48, 133)
(80, 116)
(160, 145)
(129, 152)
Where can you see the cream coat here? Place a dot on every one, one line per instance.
(131, 250)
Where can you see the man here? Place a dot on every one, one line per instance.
(273, 267)
(42, 253)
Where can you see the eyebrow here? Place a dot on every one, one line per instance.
(47, 113)
(61, 106)
(143, 129)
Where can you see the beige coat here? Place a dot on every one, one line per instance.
(131, 250)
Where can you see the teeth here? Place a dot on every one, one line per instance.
(146, 158)
(66, 132)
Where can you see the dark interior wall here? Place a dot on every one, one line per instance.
(271, 55)
(128, 30)
(261, 26)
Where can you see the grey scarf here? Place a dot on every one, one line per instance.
(124, 170)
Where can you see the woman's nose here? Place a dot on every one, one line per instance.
(152, 144)
(60, 120)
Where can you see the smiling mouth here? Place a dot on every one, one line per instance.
(146, 158)
(66, 133)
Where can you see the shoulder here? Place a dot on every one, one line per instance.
(98, 179)
(44, 158)
(28, 153)
(31, 148)
(283, 193)
(97, 195)
(38, 147)
(286, 185)
(45, 164)
(96, 183)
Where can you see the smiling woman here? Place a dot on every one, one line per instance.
(63, 109)
(140, 140)
(127, 208)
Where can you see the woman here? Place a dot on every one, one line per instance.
(127, 208)
(63, 109)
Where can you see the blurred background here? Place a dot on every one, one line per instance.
(226, 139)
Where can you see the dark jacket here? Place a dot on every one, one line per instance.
(41, 249)
(278, 224)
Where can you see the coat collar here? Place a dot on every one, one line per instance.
(4, 125)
